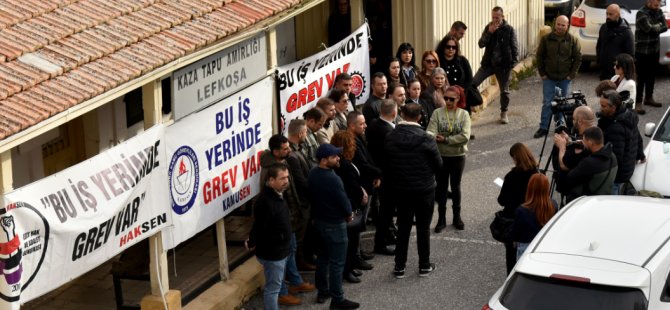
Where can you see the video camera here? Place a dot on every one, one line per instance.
(566, 105)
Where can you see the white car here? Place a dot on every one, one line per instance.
(598, 252)
(590, 15)
(553, 8)
(654, 174)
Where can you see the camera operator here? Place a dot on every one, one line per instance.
(619, 126)
(594, 174)
(571, 151)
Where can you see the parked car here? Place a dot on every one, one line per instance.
(590, 15)
(554, 8)
(598, 252)
(654, 174)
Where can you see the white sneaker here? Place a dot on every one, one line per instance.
(503, 118)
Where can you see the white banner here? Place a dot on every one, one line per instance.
(66, 224)
(302, 83)
(214, 159)
(209, 80)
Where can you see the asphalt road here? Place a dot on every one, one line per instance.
(470, 264)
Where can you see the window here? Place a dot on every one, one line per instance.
(134, 109)
(532, 292)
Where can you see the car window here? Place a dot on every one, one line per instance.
(532, 292)
(631, 4)
(663, 132)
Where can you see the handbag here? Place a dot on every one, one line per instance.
(501, 227)
(360, 218)
(473, 97)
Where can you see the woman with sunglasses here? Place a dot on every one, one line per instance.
(408, 70)
(457, 67)
(450, 125)
(624, 79)
(429, 61)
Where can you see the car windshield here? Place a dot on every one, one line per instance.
(630, 4)
(663, 132)
(532, 292)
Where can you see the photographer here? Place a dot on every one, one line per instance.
(571, 152)
(593, 175)
(619, 126)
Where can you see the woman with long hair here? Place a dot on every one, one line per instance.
(350, 176)
(429, 61)
(450, 125)
(513, 192)
(408, 69)
(457, 67)
(433, 95)
(533, 214)
(624, 79)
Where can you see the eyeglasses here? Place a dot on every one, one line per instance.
(451, 47)
(431, 61)
(452, 99)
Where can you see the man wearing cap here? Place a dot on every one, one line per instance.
(331, 210)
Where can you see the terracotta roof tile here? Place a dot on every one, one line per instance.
(55, 54)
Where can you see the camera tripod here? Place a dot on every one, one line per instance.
(559, 125)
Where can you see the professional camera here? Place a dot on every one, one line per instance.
(565, 106)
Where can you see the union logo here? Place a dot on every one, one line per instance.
(358, 84)
(184, 179)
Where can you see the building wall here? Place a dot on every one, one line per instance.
(311, 30)
(424, 22)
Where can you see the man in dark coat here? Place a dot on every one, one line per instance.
(376, 136)
(271, 232)
(412, 160)
(614, 38)
(649, 24)
(594, 175)
(500, 56)
(619, 126)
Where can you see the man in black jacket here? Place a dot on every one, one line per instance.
(614, 38)
(412, 160)
(594, 175)
(619, 126)
(376, 135)
(500, 56)
(649, 24)
(271, 232)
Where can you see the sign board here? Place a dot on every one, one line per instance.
(66, 224)
(214, 159)
(302, 83)
(215, 77)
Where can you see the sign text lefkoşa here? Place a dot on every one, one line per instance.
(217, 76)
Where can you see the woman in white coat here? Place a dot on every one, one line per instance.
(624, 78)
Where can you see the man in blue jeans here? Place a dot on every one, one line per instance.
(331, 210)
(271, 232)
(558, 59)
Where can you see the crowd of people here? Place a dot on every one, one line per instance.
(403, 151)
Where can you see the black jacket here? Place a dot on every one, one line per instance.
(375, 134)
(594, 175)
(513, 192)
(459, 71)
(612, 41)
(621, 131)
(271, 231)
(351, 179)
(412, 158)
(366, 165)
(502, 47)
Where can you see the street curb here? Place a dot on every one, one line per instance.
(244, 282)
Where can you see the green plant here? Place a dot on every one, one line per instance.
(522, 75)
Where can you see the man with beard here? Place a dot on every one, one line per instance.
(331, 210)
(278, 152)
(314, 119)
(329, 127)
(614, 38)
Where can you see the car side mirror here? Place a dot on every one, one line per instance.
(649, 129)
